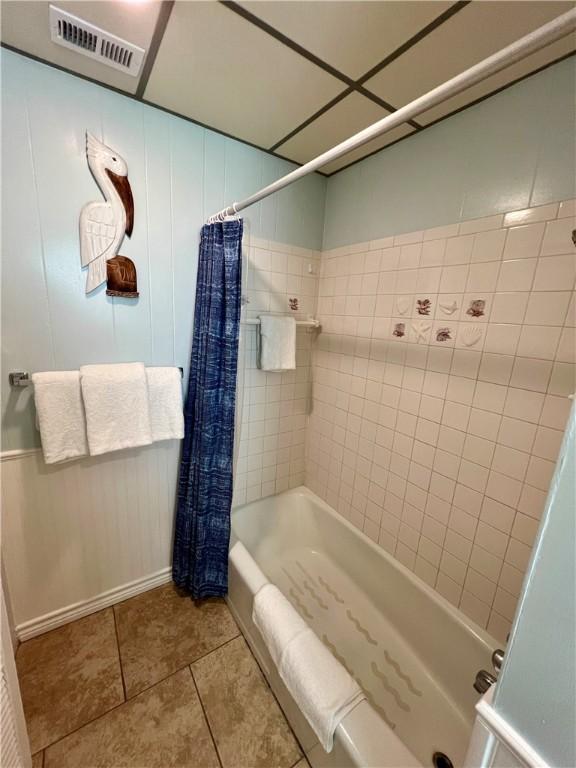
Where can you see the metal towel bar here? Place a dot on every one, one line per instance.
(24, 379)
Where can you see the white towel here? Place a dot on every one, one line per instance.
(165, 403)
(116, 405)
(60, 415)
(323, 690)
(276, 619)
(277, 343)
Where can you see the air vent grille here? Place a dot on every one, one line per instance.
(87, 39)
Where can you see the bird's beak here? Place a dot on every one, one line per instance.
(122, 186)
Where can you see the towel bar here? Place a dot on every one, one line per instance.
(311, 323)
(23, 378)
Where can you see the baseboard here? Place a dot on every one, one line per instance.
(62, 616)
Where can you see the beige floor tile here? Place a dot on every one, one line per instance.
(246, 721)
(162, 630)
(302, 763)
(38, 760)
(69, 676)
(163, 727)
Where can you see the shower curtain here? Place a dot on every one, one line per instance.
(200, 561)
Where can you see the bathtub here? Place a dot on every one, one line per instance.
(412, 652)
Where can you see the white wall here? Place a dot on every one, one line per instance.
(509, 152)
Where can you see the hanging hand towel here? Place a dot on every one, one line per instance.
(60, 414)
(116, 405)
(165, 403)
(321, 687)
(277, 343)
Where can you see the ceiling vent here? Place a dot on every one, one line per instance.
(85, 38)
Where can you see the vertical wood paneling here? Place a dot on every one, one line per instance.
(123, 129)
(187, 166)
(159, 232)
(214, 172)
(26, 335)
(61, 109)
(179, 174)
(74, 531)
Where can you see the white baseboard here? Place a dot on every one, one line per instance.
(62, 616)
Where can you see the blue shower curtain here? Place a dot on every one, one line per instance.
(200, 562)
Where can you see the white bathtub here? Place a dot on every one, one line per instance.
(413, 653)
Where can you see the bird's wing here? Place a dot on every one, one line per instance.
(98, 232)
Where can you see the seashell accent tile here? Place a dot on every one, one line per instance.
(449, 309)
(421, 328)
(476, 308)
(471, 335)
(402, 305)
(423, 306)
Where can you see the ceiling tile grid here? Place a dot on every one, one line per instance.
(297, 77)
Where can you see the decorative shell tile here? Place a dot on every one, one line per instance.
(423, 306)
(448, 307)
(421, 331)
(476, 308)
(402, 305)
(399, 330)
(471, 335)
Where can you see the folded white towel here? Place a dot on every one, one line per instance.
(60, 415)
(323, 690)
(165, 403)
(276, 619)
(116, 405)
(277, 341)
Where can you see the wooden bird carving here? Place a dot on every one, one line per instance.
(104, 224)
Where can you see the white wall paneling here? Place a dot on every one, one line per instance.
(83, 534)
(179, 173)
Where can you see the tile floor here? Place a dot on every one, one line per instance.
(154, 682)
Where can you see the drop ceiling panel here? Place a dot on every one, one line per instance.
(499, 80)
(25, 26)
(351, 36)
(346, 118)
(372, 146)
(478, 30)
(219, 69)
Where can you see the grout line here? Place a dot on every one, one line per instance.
(119, 654)
(133, 698)
(204, 712)
(107, 712)
(285, 716)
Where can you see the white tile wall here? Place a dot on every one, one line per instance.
(440, 443)
(274, 407)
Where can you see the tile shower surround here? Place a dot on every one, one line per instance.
(274, 406)
(440, 384)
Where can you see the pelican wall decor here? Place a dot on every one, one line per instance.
(104, 224)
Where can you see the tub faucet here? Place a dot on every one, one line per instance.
(485, 679)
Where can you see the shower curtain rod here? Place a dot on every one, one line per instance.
(530, 43)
